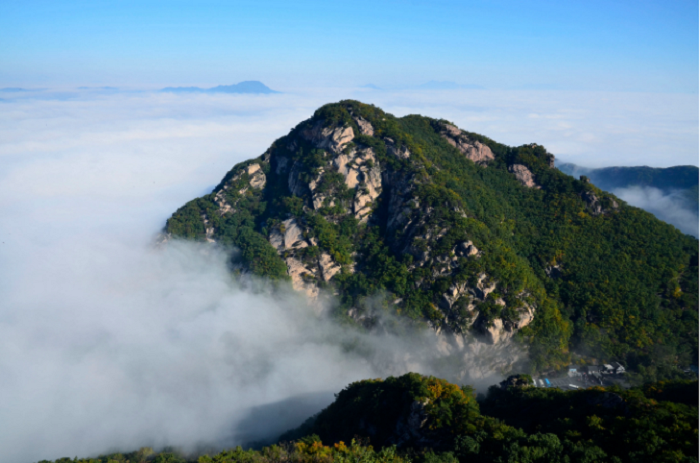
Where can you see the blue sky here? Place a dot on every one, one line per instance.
(649, 46)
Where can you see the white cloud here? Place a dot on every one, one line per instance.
(671, 207)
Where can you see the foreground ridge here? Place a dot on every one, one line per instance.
(425, 419)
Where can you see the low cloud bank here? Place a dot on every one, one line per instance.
(670, 206)
(112, 346)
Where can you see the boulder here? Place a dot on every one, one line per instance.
(473, 149)
(484, 286)
(257, 178)
(524, 175)
(592, 202)
(465, 249)
(365, 127)
(400, 152)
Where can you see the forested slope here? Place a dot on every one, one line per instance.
(421, 419)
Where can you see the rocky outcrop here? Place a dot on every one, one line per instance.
(500, 331)
(288, 236)
(296, 186)
(472, 149)
(289, 239)
(328, 268)
(303, 277)
(208, 229)
(257, 176)
(402, 199)
(592, 202)
(595, 205)
(400, 152)
(523, 175)
(365, 127)
(360, 170)
(227, 197)
(329, 138)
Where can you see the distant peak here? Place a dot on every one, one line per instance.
(248, 86)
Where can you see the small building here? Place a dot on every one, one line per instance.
(619, 369)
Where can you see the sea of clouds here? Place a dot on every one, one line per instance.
(109, 343)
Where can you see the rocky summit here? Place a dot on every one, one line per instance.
(482, 242)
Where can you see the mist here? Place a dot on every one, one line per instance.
(670, 206)
(109, 343)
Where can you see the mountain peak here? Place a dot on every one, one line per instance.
(480, 241)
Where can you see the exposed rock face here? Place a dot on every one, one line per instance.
(361, 172)
(333, 139)
(595, 205)
(281, 164)
(256, 179)
(472, 149)
(288, 236)
(592, 202)
(296, 186)
(208, 229)
(365, 127)
(302, 278)
(328, 267)
(257, 176)
(400, 152)
(523, 174)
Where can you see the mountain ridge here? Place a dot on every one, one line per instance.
(248, 86)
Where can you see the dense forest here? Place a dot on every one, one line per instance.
(460, 233)
(421, 419)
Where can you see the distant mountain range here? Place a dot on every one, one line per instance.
(676, 177)
(248, 86)
(671, 193)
